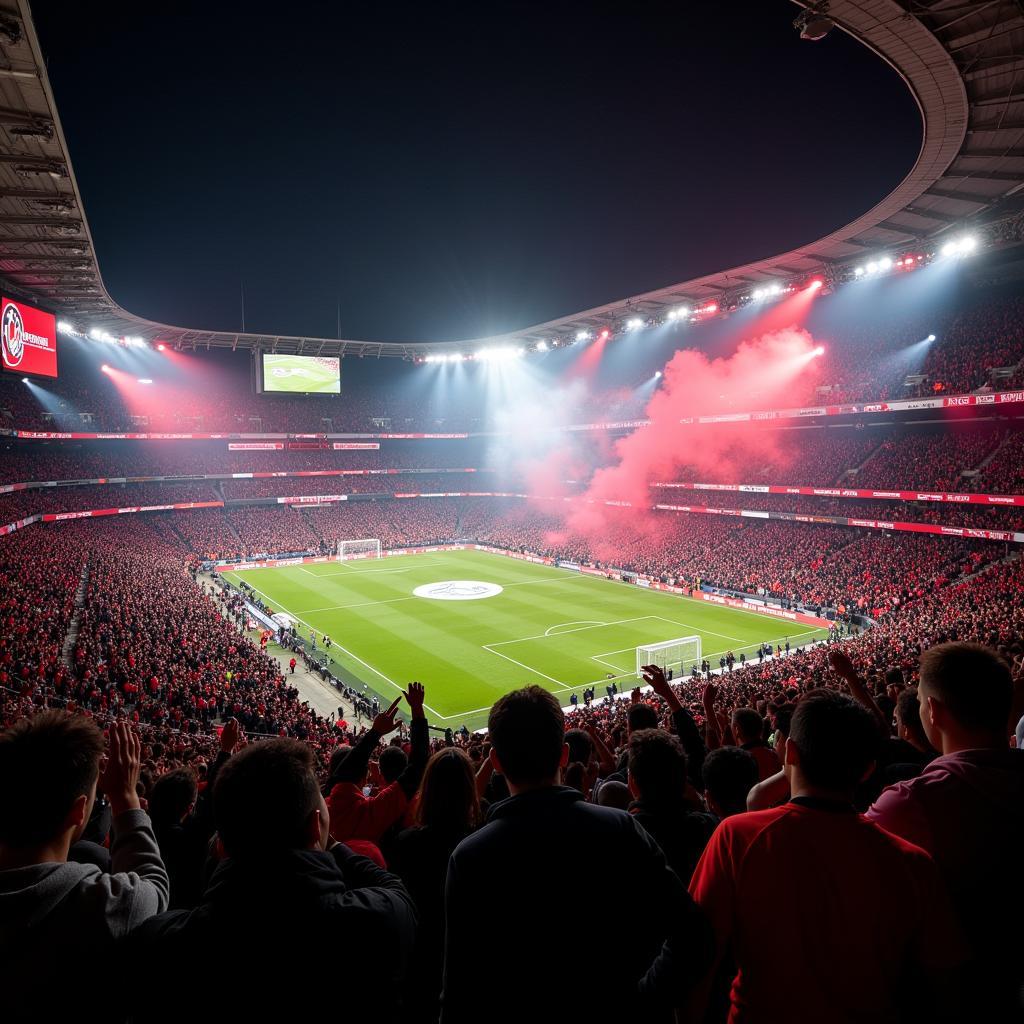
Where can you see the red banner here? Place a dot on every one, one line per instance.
(350, 446)
(28, 338)
(256, 446)
(56, 517)
(868, 524)
(949, 497)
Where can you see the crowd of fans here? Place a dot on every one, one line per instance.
(841, 825)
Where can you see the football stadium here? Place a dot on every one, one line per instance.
(471, 479)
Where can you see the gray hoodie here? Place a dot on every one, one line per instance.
(58, 922)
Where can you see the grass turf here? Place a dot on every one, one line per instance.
(558, 628)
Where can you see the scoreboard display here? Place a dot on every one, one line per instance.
(28, 338)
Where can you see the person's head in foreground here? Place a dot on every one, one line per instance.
(832, 746)
(527, 731)
(49, 765)
(729, 774)
(447, 796)
(966, 693)
(266, 801)
(657, 768)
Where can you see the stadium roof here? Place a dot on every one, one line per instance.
(962, 61)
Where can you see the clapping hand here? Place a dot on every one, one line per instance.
(120, 775)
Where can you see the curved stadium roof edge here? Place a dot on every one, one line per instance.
(963, 61)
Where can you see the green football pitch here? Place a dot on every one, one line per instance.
(537, 624)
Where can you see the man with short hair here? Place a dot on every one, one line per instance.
(283, 893)
(517, 870)
(827, 917)
(730, 773)
(657, 780)
(748, 728)
(966, 808)
(59, 920)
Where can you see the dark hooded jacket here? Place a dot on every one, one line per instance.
(266, 923)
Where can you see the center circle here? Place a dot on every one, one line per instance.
(458, 590)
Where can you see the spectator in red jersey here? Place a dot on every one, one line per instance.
(283, 890)
(355, 815)
(966, 808)
(520, 865)
(827, 917)
(748, 729)
(59, 921)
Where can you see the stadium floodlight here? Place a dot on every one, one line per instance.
(161, 347)
(542, 346)
(145, 380)
(968, 243)
(682, 312)
(758, 293)
(931, 337)
(872, 267)
(24, 380)
(583, 335)
(634, 323)
(885, 263)
(948, 249)
(858, 271)
(104, 368)
(679, 655)
(775, 289)
(365, 547)
(64, 327)
(819, 351)
(657, 374)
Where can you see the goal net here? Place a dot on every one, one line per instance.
(367, 547)
(679, 655)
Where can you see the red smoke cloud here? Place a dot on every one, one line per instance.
(774, 370)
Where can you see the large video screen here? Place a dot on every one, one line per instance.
(28, 337)
(315, 375)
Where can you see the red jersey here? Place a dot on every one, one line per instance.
(826, 915)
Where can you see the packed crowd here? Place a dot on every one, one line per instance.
(974, 335)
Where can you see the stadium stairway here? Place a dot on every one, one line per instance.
(72, 633)
(980, 467)
(852, 472)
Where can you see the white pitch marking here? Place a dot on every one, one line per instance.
(573, 622)
(535, 671)
(566, 632)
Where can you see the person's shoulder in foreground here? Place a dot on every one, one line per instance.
(281, 885)
(812, 899)
(58, 920)
(540, 849)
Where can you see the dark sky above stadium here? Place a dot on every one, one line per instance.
(454, 170)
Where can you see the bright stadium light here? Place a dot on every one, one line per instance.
(104, 368)
(64, 327)
(948, 249)
(758, 293)
(583, 335)
(657, 374)
(634, 323)
(968, 243)
(161, 347)
(885, 263)
(819, 351)
(542, 346)
(775, 289)
(24, 380)
(145, 380)
(858, 271)
(683, 311)
(931, 337)
(872, 267)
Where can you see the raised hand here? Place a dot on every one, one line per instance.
(414, 698)
(385, 721)
(635, 697)
(841, 663)
(120, 775)
(230, 736)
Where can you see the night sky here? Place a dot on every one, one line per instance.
(454, 170)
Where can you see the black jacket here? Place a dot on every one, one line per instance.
(681, 833)
(525, 892)
(264, 927)
(421, 858)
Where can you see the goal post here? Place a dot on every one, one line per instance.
(679, 655)
(366, 547)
